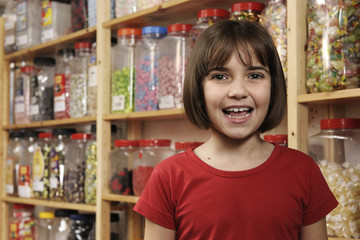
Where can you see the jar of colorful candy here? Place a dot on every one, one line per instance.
(147, 68)
(174, 53)
(22, 222)
(90, 169)
(205, 19)
(250, 11)
(92, 85)
(333, 52)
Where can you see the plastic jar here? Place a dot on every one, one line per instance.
(45, 226)
(79, 15)
(336, 149)
(80, 226)
(56, 19)
(205, 19)
(280, 139)
(62, 84)
(92, 83)
(57, 162)
(90, 169)
(121, 157)
(26, 165)
(22, 222)
(151, 152)
(333, 53)
(15, 152)
(41, 164)
(274, 19)
(75, 161)
(250, 11)
(10, 26)
(147, 68)
(28, 23)
(22, 95)
(123, 70)
(79, 80)
(42, 90)
(125, 7)
(62, 223)
(183, 146)
(143, 4)
(174, 54)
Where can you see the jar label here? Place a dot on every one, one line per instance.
(166, 102)
(92, 76)
(118, 103)
(24, 175)
(22, 40)
(21, 19)
(9, 40)
(38, 164)
(10, 175)
(46, 13)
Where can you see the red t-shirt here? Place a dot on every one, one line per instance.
(272, 201)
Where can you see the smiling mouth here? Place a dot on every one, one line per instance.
(242, 112)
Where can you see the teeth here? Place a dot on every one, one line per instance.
(242, 116)
(238, 110)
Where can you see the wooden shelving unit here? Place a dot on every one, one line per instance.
(167, 13)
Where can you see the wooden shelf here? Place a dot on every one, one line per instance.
(337, 97)
(120, 198)
(52, 123)
(335, 238)
(148, 115)
(52, 204)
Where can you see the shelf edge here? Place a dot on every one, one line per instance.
(346, 94)
(120, 198)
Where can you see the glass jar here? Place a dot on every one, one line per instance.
(62, 223)
(79, 15)
(336, 149)
(26, 164)
(274, 19)
(75, 161)
(147, 68)
(62, 84)
(174, 54)
(10, 26)
(123, 70)
(333, 53)
(151, 152)
(183, 146)
(205, 19)
(250, 11)
(22, 222)
(57, 162)
(79, 80)
(22, 95)
(91, 10)
(56, 19)
(92, 83)
(41, 165)
(125, 7)
(90, 170)
(280, 139)
(120, 181)
(80, 226)
(42, 89)
(28, 23)
(45, 226)
(15, 152)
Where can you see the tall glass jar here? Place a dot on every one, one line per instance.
(15, 152)
(10, 26)
(174, 54)
(42, 90)
(45, 226)
(75, 161)
(28, 23)
(92, 12)
(333, 53)
(123, 70)
(79, 79)
(22, 95)
(250, 11)
(205, 19)
(120, 181)
(79, 15)
(41, 164)
(90, 169)
(62, 84)
(92, 83)
(151, 152)
(147, 68)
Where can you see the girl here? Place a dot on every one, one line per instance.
(235, 185)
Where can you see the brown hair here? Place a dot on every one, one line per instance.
(214, 48)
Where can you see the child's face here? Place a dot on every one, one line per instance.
(237, 97)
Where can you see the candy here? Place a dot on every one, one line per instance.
(122, 90)
(78, 96)
(90, 173)
(121, 182)
(125, 7)
(79, 15)
(141, 175)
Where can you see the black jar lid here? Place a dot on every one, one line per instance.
(65, 212)
(44, 61)
(63, 131)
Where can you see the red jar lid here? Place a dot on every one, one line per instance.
(247, 6)
(340, 123)
(82, 45)
(19, 206)
(277, 138)
(211, 12)
(45, 135)
(179, 27)
(129, 31)
(126, 143)
(80, 136)
(186, 145)
(155, 142)
(27, 69)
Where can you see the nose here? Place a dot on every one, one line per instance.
(238, 89)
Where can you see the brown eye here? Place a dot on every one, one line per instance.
(218, 77)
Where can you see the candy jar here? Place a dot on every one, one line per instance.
(92, 83)
(75, 161)
(79, 15)
(205, 19)
(90, 169)
(92, 12)
(80, 226)
(22, 95)
(125, 7)
(62, 223)
(62, 84)
(15, 152)
(147, 68)
(22, 222)
(274, 19)
(79, 80)
(121, 176)
(174, 53)
(333, 52)
(250, 11)
(45, 226)
(123, 70)
(151, 152)
(10, 26)
(42, 89)
(41, 164)
(280, 139)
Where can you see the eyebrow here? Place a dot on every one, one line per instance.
(249, 68)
